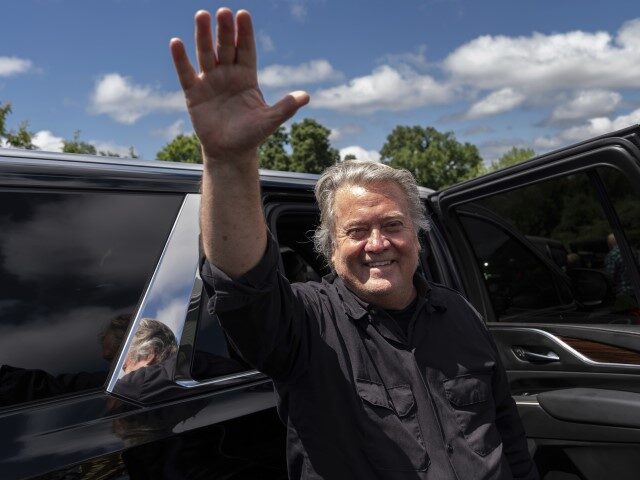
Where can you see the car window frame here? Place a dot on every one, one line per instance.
(617, 153)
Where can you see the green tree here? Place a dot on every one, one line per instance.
(183, 148)
(436, 159)
(312, 151)
(5, 110)
(512, 157)
(22, 138)
(108, 153)
(78, 146)
(349, 156)
(273, 155)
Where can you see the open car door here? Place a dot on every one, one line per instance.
(548, 252)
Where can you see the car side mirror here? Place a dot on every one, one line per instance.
(591, 288)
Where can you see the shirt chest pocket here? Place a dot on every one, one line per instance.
(392, 437)
(472, 402)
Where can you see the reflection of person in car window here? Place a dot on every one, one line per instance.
(153, 343)
(150, 362)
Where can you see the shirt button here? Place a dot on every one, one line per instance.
(449, 448)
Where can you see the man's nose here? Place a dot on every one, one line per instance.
(377, 241)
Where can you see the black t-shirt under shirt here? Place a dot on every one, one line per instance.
(403, 317)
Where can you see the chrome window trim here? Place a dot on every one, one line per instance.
(186, 226)
(186, 223)
(231, 379)
(568, 348)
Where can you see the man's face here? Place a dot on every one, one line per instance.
(376, 248)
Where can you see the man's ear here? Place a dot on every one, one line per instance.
(150, 360)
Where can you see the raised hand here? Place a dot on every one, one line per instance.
(227, 109)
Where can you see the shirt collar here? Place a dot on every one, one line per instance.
(356, 308)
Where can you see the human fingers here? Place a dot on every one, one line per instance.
(204, 41)
(225, 37)
(186, 73)
(286, 108)
(246, 50)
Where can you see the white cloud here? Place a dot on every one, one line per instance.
(125, 102)
(14, 66)
(541, 63)
(298, 9)
(345, 131)
(265, 41)
(315, 71)
(547, 143)
(496, 102)
(360, 153)
(416, 59)
(601, 125)
(47, 141)
(385, 89)
(478, 129)
(592, 128)
(585, 104)
(170, 132)
(492, 150)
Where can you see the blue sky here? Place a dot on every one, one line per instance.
(538, 74)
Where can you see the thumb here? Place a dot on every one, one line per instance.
(287, 107)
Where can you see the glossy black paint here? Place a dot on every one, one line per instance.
(228, 430)
(60, 435)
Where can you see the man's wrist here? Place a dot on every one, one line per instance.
(232, 162)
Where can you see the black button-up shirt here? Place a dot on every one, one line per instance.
(362, 400)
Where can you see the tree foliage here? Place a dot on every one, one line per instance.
(273, 155)
(183, 148)
(512, 157)
(436, 159)
(108, 153)
(78, 146)
(311, 149)
(5, 110)
(22, 138)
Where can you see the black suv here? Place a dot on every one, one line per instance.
(99, 259)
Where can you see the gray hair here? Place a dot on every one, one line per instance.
(356, 172)
(153, 337)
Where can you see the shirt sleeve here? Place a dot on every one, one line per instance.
(265, 319)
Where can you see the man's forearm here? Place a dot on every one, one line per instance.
(232, 221)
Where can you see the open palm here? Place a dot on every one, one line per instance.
(228, 112)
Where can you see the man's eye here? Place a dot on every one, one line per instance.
(393, 226)
(357, 233)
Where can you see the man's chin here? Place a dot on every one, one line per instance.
(378, 288)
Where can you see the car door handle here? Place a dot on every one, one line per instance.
(533, 357)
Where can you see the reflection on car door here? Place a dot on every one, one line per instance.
(547, 251)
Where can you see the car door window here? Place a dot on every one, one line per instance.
(626, 205)
(73, 266)
(546, 252)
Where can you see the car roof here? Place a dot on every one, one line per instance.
(298, 178)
